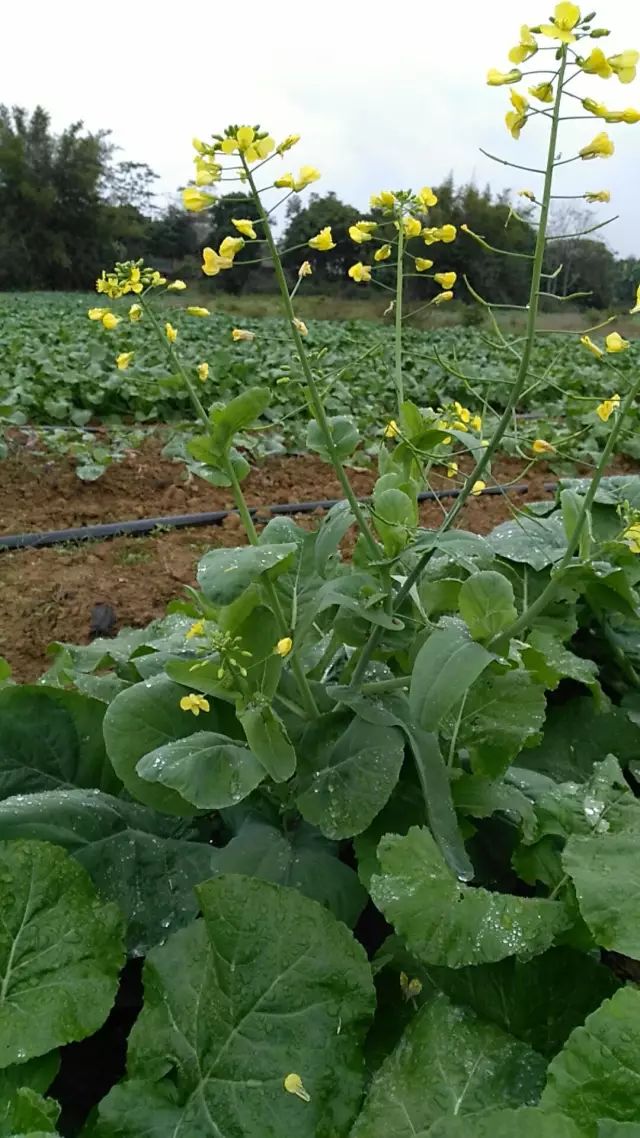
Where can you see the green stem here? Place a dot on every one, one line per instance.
(505, 419)
(398, 324)
(314, 394)
(547, 594)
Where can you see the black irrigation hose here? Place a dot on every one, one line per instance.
(175, 521)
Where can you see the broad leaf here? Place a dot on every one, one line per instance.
(487, 604)
(549, 661)
(445, 667)
(234, 1004)
(605, 872)
(576, 735)
(208, 770)
(344, 436)
(447, 1063)
(224, 574)
(268, 740)
(27, 1113)
(51, 739)
(525, 1122)
(597, 1073)
(502, 712)
(348, 770)
(535, 541)
(235, 416)
(446, 922)
(60, 951)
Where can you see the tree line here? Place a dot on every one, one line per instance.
(69, 207)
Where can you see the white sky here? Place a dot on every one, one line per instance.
(381, 97)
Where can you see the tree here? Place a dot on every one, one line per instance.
(172, 236)
(330, 267)
(587, 265)
(237, 205)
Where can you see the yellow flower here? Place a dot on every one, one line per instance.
(409, 988)
(476, 423)
(452, 469)
(213, 263)
(391, 430)
(444, 233)
(447, 233)
(589, 344)
(300, 326)
(133, 284)
(411, 226)
(157, 280)
(97, 313)
(207, 171)
(198, 145)
(203, 371)
(194, 200)
(526, 48)
(446, 280)
(625, 65)
(541, 446)
(598, 196)
(176, 286)
(636, 307)
(123, 360)
(362, 231)
(287, 143)
(543, 92)
(135, 313)
(197, 629)
(606, 409)
(462, 412)
(516, 118)
(615, 343)
(383, 253)
(244, 226)
(194, 703)
(306, 175)
(230, 246)
(293, 1084)
(360, 273)
(500, 78)
(597, 64)
(423, 264)
(323, 240)
(600, 147)
(246, 142)
(523, 194)
(239, 334)
(108, 285)
(171, 333)
(632, 537)
(305, 269)
(478, 487)
(442, 297)
(195, 310)
(109, 321)
(565, 18)
(285, 182)
(284, 646)
(384, 200)
(426, 197)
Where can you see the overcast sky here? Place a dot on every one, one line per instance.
(377, 105)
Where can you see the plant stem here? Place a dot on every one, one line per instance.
(398, 326)
(314, 394)
(521, 377)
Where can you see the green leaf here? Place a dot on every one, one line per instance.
(480, 798)
(446, 922)
(50, 739)
(142, 719)
(38, 1074)
(27, 1113)
(471, 1065)
(60, 951)
(208, 770)
(501, 714)
(549, 661)
(609, 1128)
(597, 1073)
(446, 665)
(344, 434)
(525, 1122)
(224, 574)
(301, 859)
(532, 999)
(237, 415)
(576, 735)
(436, 789)
(134, 856)
(395, 518)
(487, 604)
(267, 737)
(348, 768)
(604, 871)
(233, 1005)
(535, 541)
(331, 530)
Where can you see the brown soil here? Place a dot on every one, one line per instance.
(48, 594)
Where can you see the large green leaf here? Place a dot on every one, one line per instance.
(207, 769)
(535, 541)
(597, 1073)
(348, 769)
(446, 665)
(51, 739)
(502, 712)
(143, 718)
(223, 574)
(605, 872)
(448, 1062)
(27, 1113)
(486, 603)
(344, 436)
(236, 416)
(269, 741)
(134, 856)
(268, 985)
(525, 1122)
(446, 922)
(576, 735)
(60, 951)
(549, 661)
(532, 999)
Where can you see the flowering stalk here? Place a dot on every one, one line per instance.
(314, 395)
(398, 325)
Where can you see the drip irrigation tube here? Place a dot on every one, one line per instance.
(175, 521)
